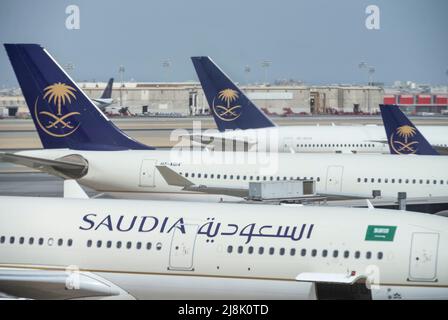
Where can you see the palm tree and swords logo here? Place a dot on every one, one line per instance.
(59, 94)
(404, 146)
(227, 112)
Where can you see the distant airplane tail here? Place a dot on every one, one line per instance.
(229, 106)
(107, 93)
(402, 136)
(63, 114)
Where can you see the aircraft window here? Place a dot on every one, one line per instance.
(271, 250)
(129, 245)
(199, 175)
(434, 182)
(284, 178)
(313, 252)
(399, 180)
(50, 241)
(109, 244)
(380, 255)
(240, 249)
(357, 254)
(386, 180)
(231, 177)
(318, 179)
(212, 176)
(261, 250)
(365, 180)
(251, 178)
(205, 176)
(2, 239)
(31, 240)
(41, 241)
(393, 181)
(368, 255)
(218, 176)
(413, 181)
(229, 249)
(258, 178)
(303, 252)
(89, 243)
(282, 251)
(192, 175)
(244, 177)
(441, 181)
(138, 245)
(224, 176)
(99, 243)
(186, 175)
(148, 245)
(324, 253)
(346, 254)
(118, 244)
(60, 242)
(21, 240)
(250, 250)
(264, 178)
(159, 246)
(379, 180)
(237, 177)
(406, 181)
(427, 181)
(372, 180)
(292, 252)
(11, 240)
(69, 242)
(278, 178)
(272, 178)
(335, 253)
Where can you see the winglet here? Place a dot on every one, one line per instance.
(402, 135)
(73, 190)
(173, 178)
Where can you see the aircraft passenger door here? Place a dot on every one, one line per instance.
(334, 179)
(423, 264)
(182, 248)
(147, 173)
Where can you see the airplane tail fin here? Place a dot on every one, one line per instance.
(229, 106)
(402, 136)
(107, 93)
(63, 114)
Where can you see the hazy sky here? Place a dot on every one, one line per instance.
(317, 41)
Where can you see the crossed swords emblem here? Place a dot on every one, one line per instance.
(229, 112)
(61, 120)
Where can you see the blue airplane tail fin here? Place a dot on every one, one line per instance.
(402, 136)
(229, 106)
(107, 93)
(62, 113)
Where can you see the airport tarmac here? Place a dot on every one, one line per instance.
(158, 132)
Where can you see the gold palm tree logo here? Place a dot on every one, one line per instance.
(58, 93)
(406, 132)
(228, 95)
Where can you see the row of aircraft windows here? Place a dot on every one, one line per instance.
(335, 145)
(406, 181)
(119, 244)
(39, 241)
(244, 178)
(303, 252)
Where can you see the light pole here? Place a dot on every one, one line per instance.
(370, 71)
(166, 64)
(121, 71)
(247, 72)
(265, 65)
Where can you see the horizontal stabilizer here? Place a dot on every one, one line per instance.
(62, 168)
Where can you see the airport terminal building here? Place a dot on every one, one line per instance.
(188, 99)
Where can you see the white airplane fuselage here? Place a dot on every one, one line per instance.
(335, 174)
(157, 250)
(325, 139)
